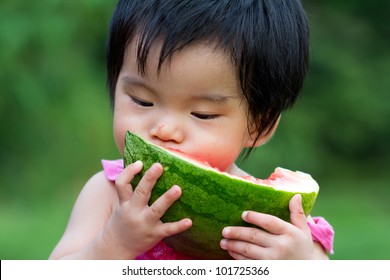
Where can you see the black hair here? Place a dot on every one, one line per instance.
(268, 41)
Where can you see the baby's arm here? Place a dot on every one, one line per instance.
(278, 240)
(113, 222)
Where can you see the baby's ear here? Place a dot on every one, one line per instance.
(264, 137)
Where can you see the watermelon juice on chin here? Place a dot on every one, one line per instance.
(214, 199)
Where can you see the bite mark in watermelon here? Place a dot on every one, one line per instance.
(214, 199)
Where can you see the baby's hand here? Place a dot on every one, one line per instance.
(276, 240)
(134, 226)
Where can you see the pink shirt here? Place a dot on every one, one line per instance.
(321, 230)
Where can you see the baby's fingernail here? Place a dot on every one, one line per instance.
(244, 214)
(138, 163)
(155, 167)
(187, 222)
(175, 190)
(226, 231)
(223, 243)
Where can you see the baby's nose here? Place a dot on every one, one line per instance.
(167, 131)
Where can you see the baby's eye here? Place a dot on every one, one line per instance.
(141, 102)
(204, 116)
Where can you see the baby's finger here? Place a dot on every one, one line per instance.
(143, 191)
(297, 215)
(270, 223)
(169, 229)
(161, 205)
(122, 183)
(248, 234)
(243, 250)
(237, 256)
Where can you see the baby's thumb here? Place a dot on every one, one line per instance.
(297, 215)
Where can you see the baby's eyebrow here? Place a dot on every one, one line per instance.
(213, 97)
(135, 81)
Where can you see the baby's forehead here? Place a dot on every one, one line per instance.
(155, 55)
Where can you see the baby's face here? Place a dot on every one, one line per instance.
(193, 105)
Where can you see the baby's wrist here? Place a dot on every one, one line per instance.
(112, 247)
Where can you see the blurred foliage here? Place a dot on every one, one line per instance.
(56, 121)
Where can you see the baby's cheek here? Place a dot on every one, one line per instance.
(119, 137)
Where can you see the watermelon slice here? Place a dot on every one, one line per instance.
(213, 199)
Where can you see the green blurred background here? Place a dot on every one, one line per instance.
(56, 120)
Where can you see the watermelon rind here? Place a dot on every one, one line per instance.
(211, 199)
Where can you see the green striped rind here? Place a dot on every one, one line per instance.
(210, 199)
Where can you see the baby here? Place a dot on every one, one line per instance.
(207, 78)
